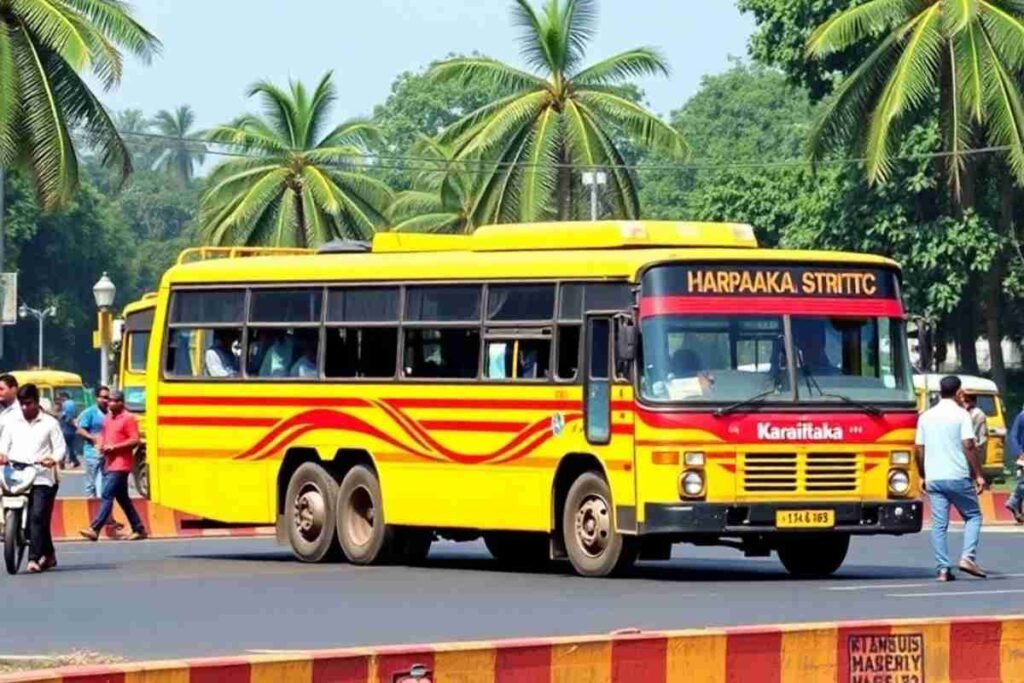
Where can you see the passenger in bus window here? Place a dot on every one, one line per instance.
(219, 359)
(305, 366)
(278, 358)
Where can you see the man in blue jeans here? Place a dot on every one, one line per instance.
(947, 459)
(89, 425)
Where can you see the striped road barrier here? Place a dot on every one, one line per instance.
(72, 514)
(962, 650)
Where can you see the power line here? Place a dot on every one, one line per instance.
(405, 162)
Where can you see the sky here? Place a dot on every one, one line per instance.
(213, 49)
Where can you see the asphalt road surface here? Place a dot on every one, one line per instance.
(227, 596)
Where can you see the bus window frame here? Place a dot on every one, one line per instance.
(486, 328)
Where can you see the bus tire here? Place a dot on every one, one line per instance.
(814, 556)
(309, 510)
(519, 550)
(140, 471)
(594, 546)
(362, 532)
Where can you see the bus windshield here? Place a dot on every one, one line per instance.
(730, 358)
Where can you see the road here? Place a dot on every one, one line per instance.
(223, 596)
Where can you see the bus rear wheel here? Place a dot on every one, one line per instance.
(309, 510)
(519, 550)
(362, 531)
(814, 556)
(594, 546)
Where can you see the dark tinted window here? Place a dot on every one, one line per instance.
(442, 353)
(571, 305)
(442, 303)
(520, 302)
(361, 352)
(285, 305)
(568, 351)
(371, 304)
(212, 306)
(608, 297)
(600, 331)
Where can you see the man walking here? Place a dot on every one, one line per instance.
(979, 420)
(947, 460)
(89, 426)
(68, 412)
(33, 437)
(119, 437)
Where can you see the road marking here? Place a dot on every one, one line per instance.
(954, 594)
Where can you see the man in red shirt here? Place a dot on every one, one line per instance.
(117, 441)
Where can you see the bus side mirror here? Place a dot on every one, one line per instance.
(626, 339)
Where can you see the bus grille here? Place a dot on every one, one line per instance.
(813, 473)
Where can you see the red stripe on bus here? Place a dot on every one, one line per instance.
(771, 305)
(471, 426)
(261, 401)
(192, 421)
(485, 403)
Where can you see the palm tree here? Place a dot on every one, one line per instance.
(967, 56)
(134, 128)
(969, 52)
(45, 47)
(293, 185)
(180, 148)
(442, 195)
(556, 119)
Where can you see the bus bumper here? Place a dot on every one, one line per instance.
(733, 519)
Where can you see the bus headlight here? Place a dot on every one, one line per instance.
(899, 483)
(900, 458)
(691, 484)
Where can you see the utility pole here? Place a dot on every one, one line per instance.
(594, 180)
(26, 311)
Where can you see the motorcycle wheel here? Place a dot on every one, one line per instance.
(14, 542)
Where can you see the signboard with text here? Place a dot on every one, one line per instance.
(8, 298)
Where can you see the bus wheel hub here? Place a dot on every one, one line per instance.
(593, 526)
(310, 514)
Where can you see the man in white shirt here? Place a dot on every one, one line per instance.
(35, 438)
(947, 459)
(980, 422)
(8, 398)
(219, 359)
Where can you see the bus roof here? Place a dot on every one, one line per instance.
(148, 301)
(45, 376)
(603, 250)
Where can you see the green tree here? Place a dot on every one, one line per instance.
(418, 106)
(45, 46)
(180, 147)
(562, 117)
(295, 185)
(965, 57)
(442, 194)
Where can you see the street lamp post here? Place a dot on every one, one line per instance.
(26, 311)
(103, 292)
(594, 180)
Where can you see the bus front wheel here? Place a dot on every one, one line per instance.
(309, 510)
(814, 556)
(362, 532)
(594, 546)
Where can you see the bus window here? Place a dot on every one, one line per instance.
(370, 352)
(443, 304)
(138, 345)
(205, 335)
(568, 351)
(284, 333)
(506, 303)
(451, 353)
(519, 359)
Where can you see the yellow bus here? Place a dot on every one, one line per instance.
(586, 391)
(53, 383)
(137, 325)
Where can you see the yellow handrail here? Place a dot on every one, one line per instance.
(205, 253)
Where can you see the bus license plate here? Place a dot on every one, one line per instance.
(805, 519)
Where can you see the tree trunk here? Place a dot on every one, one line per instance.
(564, 199)
(966, 333)
(994, 288)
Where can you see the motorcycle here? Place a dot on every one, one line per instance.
(16, 481)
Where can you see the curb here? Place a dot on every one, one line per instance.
(72, 514)
(958, 650)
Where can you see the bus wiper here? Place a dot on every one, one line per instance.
(874, 411)
(756, 398)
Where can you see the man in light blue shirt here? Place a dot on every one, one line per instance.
(90, 424)
(947, 459)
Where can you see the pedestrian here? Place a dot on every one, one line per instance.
(947, 460)
(979, 421)
(88, 427)
(68, 413)
(34, 437)
(119, 437)
(8, 398)
(1015, 454)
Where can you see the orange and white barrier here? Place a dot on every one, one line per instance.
(993, 509)
(72, 514)
(975, 650)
